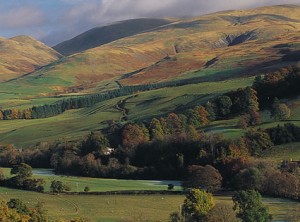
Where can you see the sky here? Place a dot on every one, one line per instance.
(53, 21)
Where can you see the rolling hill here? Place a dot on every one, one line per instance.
(23, 54)
(215, 46)
(205, 56)
(106, 34)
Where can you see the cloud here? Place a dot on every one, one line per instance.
(21, 17)
(55, 21)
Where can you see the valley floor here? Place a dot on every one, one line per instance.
(125, 207)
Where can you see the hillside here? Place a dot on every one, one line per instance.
(102, 35)
(23, 54)
(215, 46)
(202, 57)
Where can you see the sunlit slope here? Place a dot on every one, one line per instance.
(23, 54)
(102, 35)
(74, 124)
(219, 45)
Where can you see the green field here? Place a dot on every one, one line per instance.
(78, 184)
(121, 207)
(290, 151)
(118, 207)
(74, 124)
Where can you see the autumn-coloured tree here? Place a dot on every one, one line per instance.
(28, 113)
(237, 149)
(192, 133)
(203, 115)
(206, 177)
(197, 205)
(222, 212)
(156, 130)
(244, 121)
(133, 135)
(255, 118)
(280, 111)
(251, 100)
(258, 140)
(173, 124)
(282, 184)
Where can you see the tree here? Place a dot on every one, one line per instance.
(134, 135)
(10, 215)
(251, 100)
(94, 143)
(23, 170)
(249, 178)
(156, 130)
(86, 189)
(258, 140)
(244, 121)
(206, 177)
(280, 111)
(174, 124)
(210, 108)
(192, 118)
(197, 205)
(2, 176)
(222, 212)
(175, 217)
(18, 205)
(249, 207)
(192, 133)
(223, 104)
(203, 115)
(58, 186)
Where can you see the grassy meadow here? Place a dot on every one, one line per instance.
(74, 124)
(113, 208)
(78, 184)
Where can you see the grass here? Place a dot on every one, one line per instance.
(101, 185)
(284, 152)
(101, 208)
(194, 42)
(121, 207)
(74, 124)
(162, 101)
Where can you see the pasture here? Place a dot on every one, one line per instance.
(113, 208)
(78, 184)
(74, 124)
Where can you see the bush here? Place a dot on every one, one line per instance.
(86, 189)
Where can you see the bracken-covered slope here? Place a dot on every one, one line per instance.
(211, 47)
(106, 34)
(23, 54)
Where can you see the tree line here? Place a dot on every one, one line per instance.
(265, 89)
(49, 110)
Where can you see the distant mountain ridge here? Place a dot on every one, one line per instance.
(23, 54)
(101, 35)
(211, 47)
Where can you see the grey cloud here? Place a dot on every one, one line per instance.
(87, 14)
(21, 17)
